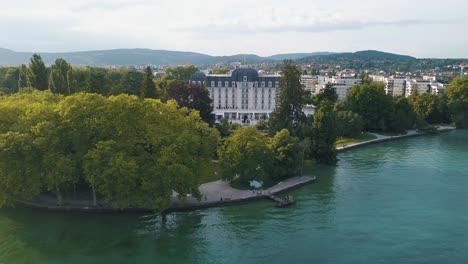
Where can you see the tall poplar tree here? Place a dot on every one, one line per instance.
(39, 76)
(148, 88)
(288, 112)
(24, 77)
(58, 80)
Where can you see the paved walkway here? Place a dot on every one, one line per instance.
(217, 193)
(220, 193)
(383, 138)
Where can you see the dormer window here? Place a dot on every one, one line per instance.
(226, 84)
(220, 84)
(245, 78)
(269, 84)
(233, 84)
(256, 84)
(276, 84)
(212, 84)
(263, 84)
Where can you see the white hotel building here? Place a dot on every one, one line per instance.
(242, 95)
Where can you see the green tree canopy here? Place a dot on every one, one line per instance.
(348, 124)
(372, 104)
(39, 76)
(192, 96)
(324, 134)
(287, 155)
(245, 156)
(148, 87)
(58, 79)
(179, 73)
(457, 101)
(24, 77)
(289, 104)
(130, 152)
(328, 93)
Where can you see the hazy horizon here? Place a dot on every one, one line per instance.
(423, 29)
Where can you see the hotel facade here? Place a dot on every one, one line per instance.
(242, 96)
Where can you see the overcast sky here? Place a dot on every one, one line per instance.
(421, 28)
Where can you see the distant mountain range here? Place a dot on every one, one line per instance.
(368, 59)
(127, 57)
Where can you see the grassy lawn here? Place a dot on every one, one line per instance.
(390, 134)
(209, 175)
(348, 141)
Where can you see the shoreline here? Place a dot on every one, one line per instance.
(383, 138)
(214, 194)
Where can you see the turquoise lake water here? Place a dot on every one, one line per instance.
(398, 202)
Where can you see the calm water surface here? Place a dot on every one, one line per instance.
(399, 202)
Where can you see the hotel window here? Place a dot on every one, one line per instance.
(212, 84)
(263, 84)
(226, 84)
(220, 84)
(245, 78)
(269, 84)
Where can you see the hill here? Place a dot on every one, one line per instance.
(127, 57)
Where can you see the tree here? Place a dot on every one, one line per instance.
(192, 96)
(348, 124)
(328, 93)
(59, 74)
(96, 83)
(179, 73)
(24, 77)
(324, 134)
(20, 176)
(288, 112)
(39, 76)
(11, 79)
(224, 128)
(131, 82)
(372, 104)
(426, 107)
(404, 116)
(287, 155)
(262, 125)
(148, 88)
(457, 101)
(245, 156)
(364, 76)
(220, 70)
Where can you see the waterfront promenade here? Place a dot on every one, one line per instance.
(384, 138)
(217, 193)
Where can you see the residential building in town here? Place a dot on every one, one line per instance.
(395, 85)
(308, 81)
(342, 84)
(405, 85)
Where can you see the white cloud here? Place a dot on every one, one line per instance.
(226, 27)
